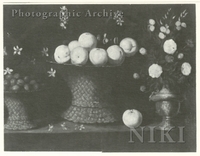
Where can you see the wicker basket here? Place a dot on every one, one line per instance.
(91, 89)
(18, 118)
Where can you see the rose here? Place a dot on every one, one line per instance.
(186, 68)
(155, 71)
(170, 46)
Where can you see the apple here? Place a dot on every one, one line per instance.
(87, 41)
(129, 46)
(79, 56)
(98, 57)
(62, 54)
(73, 44)
(132, 118)
(115, 55)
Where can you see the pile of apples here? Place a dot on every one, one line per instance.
(85, 48)
(16, 82)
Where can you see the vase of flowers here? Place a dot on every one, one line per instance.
(168, 56)
(167, 106)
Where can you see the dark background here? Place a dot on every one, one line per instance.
(35, 33)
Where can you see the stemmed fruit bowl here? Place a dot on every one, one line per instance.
(91, 89)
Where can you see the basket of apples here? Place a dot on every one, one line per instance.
(90, 73)
(18, 91)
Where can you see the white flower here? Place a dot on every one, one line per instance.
(170, 46)
(7, 71)
(186, 68)
(50, 127)
(180, 56)
(79, 127)
(143, 51)
(178, 28)
(161, 35)
(152, 21)
(118, 14)
(178, 23)
(183, 25)
(119, 21)
(45, 51)
(163, 29)
(136, 76)
(63, 8)
(63, 25)
(166, 26)
(52, 72)
(17, 50)
(155, 71)
(167, 31)
(151, 28)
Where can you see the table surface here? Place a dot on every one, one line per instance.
(114, 137)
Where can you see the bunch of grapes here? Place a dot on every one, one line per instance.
(16, 82)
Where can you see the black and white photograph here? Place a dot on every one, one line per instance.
(99, 77)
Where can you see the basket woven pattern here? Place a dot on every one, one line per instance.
(18, 117)
(91, 95)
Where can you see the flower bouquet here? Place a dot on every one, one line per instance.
(168, 62)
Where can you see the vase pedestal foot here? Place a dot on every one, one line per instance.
(165, 125)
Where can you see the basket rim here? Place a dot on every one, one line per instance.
(87, 65)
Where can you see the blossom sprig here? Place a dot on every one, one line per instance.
(50, 128)
(64, 18)
(45, 51)
(17, 50)
(52, 73)
(151, 25)
(7, 71)
(79, 127)
(118, 17)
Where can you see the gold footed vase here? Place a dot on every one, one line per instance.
(167, 106)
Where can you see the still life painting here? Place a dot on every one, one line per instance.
(109, 78)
